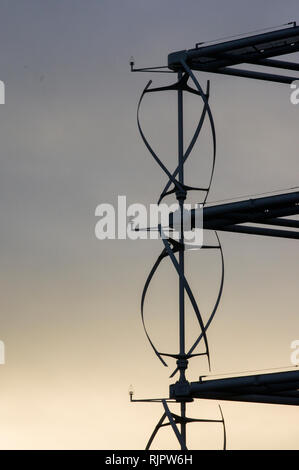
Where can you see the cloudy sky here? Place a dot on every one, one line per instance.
(70, 303)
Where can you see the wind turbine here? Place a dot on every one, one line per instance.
(220, 57)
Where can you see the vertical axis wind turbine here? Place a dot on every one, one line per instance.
(219, 58)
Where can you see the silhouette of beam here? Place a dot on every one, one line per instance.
(275, 388)
(268, 210)
(256, 49)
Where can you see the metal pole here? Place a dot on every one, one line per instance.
(181, 198)
(182, 363)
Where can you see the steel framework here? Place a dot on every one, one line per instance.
(220, 58)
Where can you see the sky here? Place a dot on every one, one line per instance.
(70, 303)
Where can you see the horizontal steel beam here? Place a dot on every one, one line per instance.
(249, 74)
(265, 210)
(268, 232)
(280, 222)
(255, 398)
(271, 217)
(276, 388)
(270, 44)
(230, 383)
(226, 46)
(280, 64)
(252, 206)
(256, 49)
(256, 57)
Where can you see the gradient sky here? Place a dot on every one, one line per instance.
(70, 303)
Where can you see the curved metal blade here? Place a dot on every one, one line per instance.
(189, 292)
(174, 426)
(146, 285)
(215, 308)
(191, 145)
(200, 90)
(156, 158)
(224, 429)
(153, 435)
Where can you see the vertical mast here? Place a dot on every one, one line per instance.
(181, 195)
